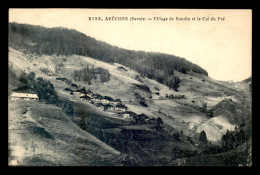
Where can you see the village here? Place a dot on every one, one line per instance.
(104, 103)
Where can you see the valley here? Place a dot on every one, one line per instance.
(110, 133)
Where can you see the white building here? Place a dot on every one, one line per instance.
(25, 96)
(97, 100)
(104, 101)
(120, 109)
(126, 115)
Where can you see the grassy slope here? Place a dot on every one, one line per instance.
(179, 114)
(41, 134)
(182, 115)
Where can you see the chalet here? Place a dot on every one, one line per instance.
(25, 96)
(86, 98)
(152, 121)
(127, 114)
(104, 101)
(120, 107)
(123, 115)
(100, 106)
(108, 98)
(61, 79)
(116, 102)
(74, 85)
(24, 92)
(141, 118)
(90, 93)
(97, 98)
(109, 107)
(121, 68)
(67, 89)
(131, 114)
(81, 91)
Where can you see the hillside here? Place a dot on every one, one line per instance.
(108, 104)
(180, 115)
(62, 41)
(41, 134)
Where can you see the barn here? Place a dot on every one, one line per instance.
(24, 96)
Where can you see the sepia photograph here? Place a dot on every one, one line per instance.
(129, 87)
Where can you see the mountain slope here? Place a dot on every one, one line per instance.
(197, 88)
(144, 82)
(61, 41)
(41, 134)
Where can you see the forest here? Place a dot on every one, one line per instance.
(63, 41)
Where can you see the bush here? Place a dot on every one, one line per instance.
(45, 91)
(204, 107)
(67, 107)
(203, 137)
(176, 136)
(23, 79)
(46, 71)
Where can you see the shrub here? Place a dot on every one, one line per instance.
(176, 136)
(203, 137)
(45, 90)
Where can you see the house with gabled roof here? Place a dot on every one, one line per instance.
(24, 96)
(116, 102)
(126, 114)
(97, 98)
(100, 106)
(81, 91)
(86, 98)
(109, 107)
(120, 107)
(104, 101)
(25, 93)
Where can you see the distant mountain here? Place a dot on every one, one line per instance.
(248, 80)
(244, 85)
(62, 41)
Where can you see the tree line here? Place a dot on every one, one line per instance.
(63, 41)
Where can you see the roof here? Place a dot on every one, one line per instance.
(130, 113)
(108, 105)
(98, 96)
(86, 97)
(67, 89)
(108, 98)
(25, 89)
(24, 95)
(121, 106)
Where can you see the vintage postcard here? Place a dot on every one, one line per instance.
(129, 87)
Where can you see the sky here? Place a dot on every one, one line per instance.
(220, 42)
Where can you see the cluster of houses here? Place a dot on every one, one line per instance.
(104, 103)
(176, 96)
